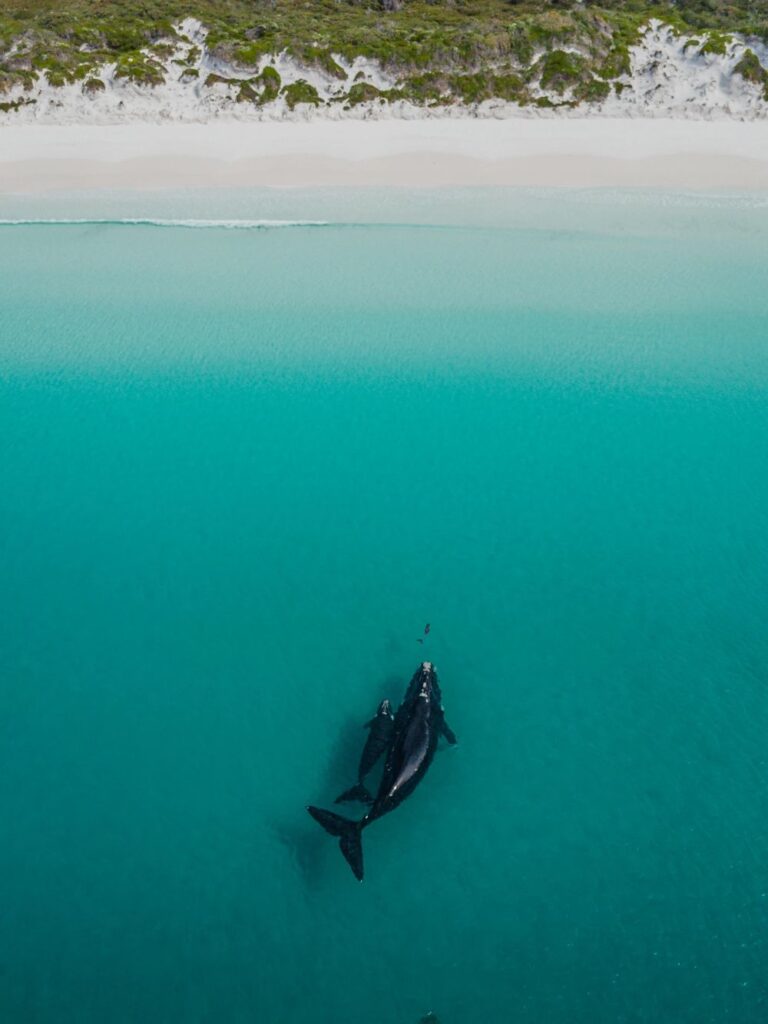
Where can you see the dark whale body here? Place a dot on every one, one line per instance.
(381, 728)
(419, 723)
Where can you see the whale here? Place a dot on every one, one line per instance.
(419, 723)
(381, 728)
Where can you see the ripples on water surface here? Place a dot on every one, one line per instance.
(241, 469)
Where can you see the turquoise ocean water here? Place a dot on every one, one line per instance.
(241, 469)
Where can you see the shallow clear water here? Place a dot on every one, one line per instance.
(239, 470)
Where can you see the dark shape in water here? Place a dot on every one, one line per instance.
(419, 722)
(379, 738)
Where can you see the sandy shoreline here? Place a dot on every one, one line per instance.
(579, 152)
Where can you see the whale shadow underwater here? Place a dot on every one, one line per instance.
(408, 741)
(304, 843)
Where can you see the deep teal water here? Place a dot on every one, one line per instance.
(239, 470)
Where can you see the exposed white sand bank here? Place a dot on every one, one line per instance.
(548, 152)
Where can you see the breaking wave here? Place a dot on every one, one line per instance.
(163, 222)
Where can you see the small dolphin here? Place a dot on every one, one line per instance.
(419, 722)
(380, 736)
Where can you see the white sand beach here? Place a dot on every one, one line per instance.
(578, 152)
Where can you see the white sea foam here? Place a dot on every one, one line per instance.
(166, 222)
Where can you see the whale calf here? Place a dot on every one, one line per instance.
(419, 722)
(381, 728)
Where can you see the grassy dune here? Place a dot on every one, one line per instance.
(468, 49)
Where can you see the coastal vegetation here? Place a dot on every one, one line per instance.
(438, 51)
(259, 89)
(750, 68)
(300, 92)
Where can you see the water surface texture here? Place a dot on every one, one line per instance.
(241, 469)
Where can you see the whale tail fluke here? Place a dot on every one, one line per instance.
(349, 835)
(358, 792)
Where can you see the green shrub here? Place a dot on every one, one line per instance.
(561, 70)
(139, 68)
(7, 107)
(246, 93)
(123, 36)
(431, 87)
(595, 91)
(750, 69)
(362, 92)
(716, 42)
(317, 56)
(615, 63)
(509, 87)
(270, 85)
(300, 92)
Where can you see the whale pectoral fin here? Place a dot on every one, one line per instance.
(369, 724)
(448, 732)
